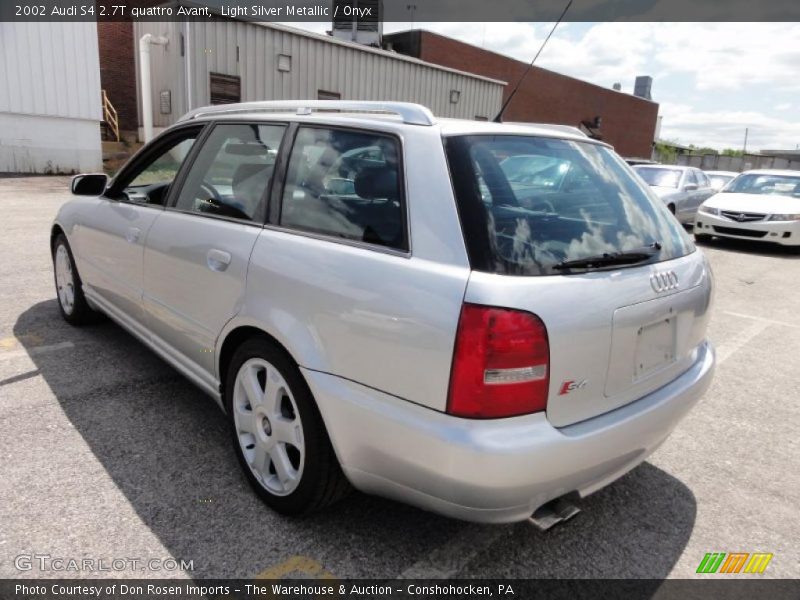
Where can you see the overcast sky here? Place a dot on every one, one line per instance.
(712, 80)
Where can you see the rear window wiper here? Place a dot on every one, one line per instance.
(611, 258)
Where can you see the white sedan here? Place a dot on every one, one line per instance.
(757, 205)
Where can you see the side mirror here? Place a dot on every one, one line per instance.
(690, 187)
(93, 184)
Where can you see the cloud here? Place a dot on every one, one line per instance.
(726, 128)
(711, 79)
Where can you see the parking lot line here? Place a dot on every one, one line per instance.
(294, 565)
(765, 320)
(727, 349)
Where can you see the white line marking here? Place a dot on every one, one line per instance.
(765, 320)
(725, 350)
(35, 350)
(451, 557)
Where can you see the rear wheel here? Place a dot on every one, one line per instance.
(278, 433)
(71, 301)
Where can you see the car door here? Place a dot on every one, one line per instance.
(197, 252)
(705, 189)
(110, 238)
(684, 205)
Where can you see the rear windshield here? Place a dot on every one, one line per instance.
(527, 205)
(659, 177)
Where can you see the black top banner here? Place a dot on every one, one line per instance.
(417, 11)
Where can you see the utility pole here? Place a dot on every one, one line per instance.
(412, 8)
(744, 150)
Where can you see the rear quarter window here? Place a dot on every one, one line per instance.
(528, 204)
(346, 184)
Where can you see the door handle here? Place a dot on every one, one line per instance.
(132, 235)
(218, 260)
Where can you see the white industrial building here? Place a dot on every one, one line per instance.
(50, 103)
(194, 64)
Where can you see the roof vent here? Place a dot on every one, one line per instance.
(642, 87)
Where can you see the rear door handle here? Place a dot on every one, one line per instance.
(218, 260)
(132, 235)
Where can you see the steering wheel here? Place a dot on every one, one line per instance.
(211, 191)
(545, 203)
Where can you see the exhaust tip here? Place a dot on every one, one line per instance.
(554, 512)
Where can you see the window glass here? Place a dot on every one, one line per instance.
(659, 177)
(151, 182)
(230, 175)
(345, 184)
(702, 179)
(765, 183)
(572, 201)
(691, 177)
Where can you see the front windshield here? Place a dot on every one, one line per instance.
(659, 177)
(578, 201)
(754, 183)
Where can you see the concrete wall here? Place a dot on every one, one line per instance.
(628, 122)
(714, 162)
(50, 107)
(318, 63)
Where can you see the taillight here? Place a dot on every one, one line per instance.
(500, 363)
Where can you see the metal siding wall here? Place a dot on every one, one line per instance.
(50, 68)
(316, 65)
(167, 70)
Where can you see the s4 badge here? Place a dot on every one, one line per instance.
(571, 386)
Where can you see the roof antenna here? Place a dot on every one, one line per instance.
(499, 116)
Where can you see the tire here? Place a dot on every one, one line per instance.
(282, 445)
(702, 238)
(69, 289)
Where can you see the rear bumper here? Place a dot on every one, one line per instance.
(786, 233)
(494, 470)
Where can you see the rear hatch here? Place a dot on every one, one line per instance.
(581, 243)
(613, 338)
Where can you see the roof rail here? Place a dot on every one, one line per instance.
(553, 126)
(412, 114)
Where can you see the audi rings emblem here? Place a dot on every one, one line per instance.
(664, 281)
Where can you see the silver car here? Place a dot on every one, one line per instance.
(682, 189)
(719, 179)
(374, 302)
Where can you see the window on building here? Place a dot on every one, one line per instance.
(345, 184)
(323, 95)
(231, 173)
(225, 89)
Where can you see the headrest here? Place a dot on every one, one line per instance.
(377, 182)
(245, 171)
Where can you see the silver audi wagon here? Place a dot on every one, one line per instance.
(484, 320)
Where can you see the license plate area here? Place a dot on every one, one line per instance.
(655, 347)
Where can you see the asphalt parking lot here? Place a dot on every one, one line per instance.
(106, 452)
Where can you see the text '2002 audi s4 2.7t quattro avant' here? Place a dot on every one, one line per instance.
(484, 320)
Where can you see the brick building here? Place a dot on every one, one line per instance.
(118, 70)
(625, 121)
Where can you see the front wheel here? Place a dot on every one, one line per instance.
(71, 301)
(702, 238)
(278, 433)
